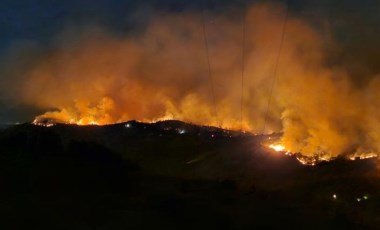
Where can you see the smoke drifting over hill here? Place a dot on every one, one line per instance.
(91, 76)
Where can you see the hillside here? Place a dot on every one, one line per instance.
(174, 175)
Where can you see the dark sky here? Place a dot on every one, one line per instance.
(33, 25)
(42, 19)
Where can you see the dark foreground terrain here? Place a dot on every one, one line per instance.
(173, 175)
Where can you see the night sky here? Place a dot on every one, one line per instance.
(33, 26)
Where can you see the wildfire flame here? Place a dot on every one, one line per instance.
(316, 158)
(162, 72)
(362, 156)
(277, 147)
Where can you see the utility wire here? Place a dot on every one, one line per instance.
(208, 61)
(243, 68)
(276, 66)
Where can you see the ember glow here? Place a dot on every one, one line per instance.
(277, 147)
(162, 73)
(43, 123)
(362, 156)
(317, 157)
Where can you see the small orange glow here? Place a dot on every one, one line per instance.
(87, 122)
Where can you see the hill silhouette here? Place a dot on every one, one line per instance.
(174, 175)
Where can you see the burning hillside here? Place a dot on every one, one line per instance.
(173, 127)
(318, 158)
(161, 73)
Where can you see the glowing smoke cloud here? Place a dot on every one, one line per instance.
(162, 73)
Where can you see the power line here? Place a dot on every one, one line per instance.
(243, 67)
(276, 66)
(208, 61)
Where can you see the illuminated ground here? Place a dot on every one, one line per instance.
(173, 175)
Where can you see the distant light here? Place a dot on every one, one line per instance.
(365, 197)
(182, 131)
(335, 196)
(359, 199)
(127, 125)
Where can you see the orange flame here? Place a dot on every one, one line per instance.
(163, 73)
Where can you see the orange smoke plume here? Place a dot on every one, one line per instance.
(162, 73)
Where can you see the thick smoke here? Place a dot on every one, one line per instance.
(93, 77)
